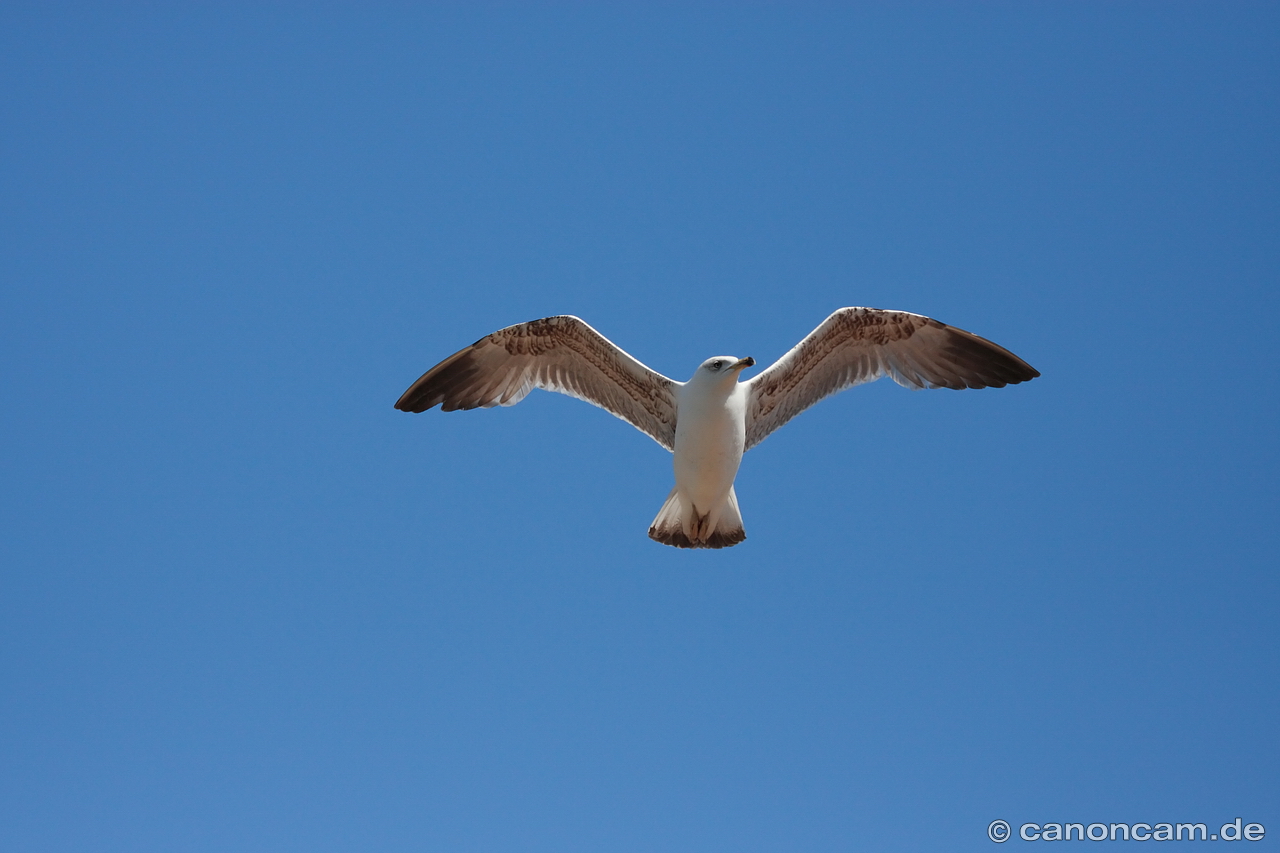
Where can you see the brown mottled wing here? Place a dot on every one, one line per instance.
(857, 345)
(561, 354)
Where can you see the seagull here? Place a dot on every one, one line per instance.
(711, 420)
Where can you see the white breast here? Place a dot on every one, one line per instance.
(710, 437)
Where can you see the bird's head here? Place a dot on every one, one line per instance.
(723, 368)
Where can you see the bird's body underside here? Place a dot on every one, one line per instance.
(702, 509)
(711, 420)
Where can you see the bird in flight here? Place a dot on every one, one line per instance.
(711, 420)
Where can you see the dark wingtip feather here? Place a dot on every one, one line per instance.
(985, 364)
(442, 385)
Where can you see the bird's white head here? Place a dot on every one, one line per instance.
(722, 369)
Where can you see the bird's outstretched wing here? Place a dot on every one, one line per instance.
(856, 345)
(561, 354)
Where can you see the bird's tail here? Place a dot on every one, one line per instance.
(680, 524)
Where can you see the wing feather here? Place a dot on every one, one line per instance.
(561, 354)
(857, 345)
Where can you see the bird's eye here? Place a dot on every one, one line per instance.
(716, 365)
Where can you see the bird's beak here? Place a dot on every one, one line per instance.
(743, 362)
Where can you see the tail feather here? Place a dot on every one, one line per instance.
(680, 524)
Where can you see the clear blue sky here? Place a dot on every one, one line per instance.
(246, 605)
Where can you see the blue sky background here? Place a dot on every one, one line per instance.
(246, 605)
